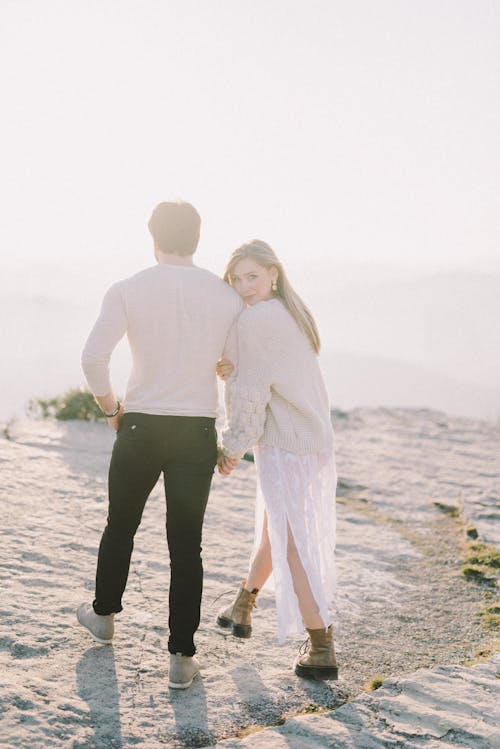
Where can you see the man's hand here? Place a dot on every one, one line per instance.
(107, 403)
(224, 368)
(114, 421)
(226, 465)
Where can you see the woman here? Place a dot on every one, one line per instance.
(276, 401)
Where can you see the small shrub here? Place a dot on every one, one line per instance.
(477, 575)
(483, 554)
(490, 617)
(375, 683)
(491, 622)
(451, 510)
(75, 404)
(41, 408)
(312, 708)
(485, 652)
(6, 433)
(493, 609)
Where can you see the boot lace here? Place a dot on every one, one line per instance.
(226, 593)
(221, 595)
(304, 648)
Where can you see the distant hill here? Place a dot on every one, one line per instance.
(358, 380)
(42, 339)
(432, 341)
(445, 323)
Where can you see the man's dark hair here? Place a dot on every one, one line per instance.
(175, 227)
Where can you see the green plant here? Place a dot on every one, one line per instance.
(312, 708)
(490, 617)
(6, 433)
(375, 683)
(491, 622)
(484, 554)
(477, 575)
(493, 609)
(75, 404)
(484, 652)
(447, 509)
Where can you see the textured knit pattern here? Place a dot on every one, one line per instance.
(177, 320)
(276, 395)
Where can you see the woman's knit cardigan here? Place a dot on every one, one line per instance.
(277, 395)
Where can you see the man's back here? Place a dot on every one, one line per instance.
(177, 319)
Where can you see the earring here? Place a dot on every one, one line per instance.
(274, 286)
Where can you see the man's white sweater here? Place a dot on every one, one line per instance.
(277, 395)
(177, 320)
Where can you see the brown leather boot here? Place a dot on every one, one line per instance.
(318, 662)
(238, 616)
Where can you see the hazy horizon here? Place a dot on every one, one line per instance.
(380, 346)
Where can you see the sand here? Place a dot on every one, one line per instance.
(405, 612)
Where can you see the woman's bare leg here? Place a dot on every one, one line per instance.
(262, 567)
(262, 564)
(309, 609)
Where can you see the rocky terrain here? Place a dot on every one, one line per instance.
(417, 611)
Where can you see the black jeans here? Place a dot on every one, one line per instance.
(184, 448)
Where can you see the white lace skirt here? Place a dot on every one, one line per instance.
(298, 491)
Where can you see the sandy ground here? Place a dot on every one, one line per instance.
(405, 612)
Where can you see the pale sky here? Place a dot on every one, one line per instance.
(359, 138)
(345, 132)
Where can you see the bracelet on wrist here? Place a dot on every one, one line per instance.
(115, 412)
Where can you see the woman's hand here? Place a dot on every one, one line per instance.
(224, 368)
(226, 465)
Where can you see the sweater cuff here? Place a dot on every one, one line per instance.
(246, 418)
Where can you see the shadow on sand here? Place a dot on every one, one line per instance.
(97, 685)
(191, 720)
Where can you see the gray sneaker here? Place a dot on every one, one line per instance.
(183, 669)
(101, 628)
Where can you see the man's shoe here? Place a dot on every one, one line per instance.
(183, 669)
(101, 628)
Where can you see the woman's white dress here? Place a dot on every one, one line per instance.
(284, 409)
(298, 490)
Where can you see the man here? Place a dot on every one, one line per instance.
(177, 317)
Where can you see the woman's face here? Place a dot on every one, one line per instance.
(252, 281)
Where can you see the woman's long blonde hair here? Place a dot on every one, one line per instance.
(265, 256)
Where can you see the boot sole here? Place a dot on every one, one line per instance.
(242, 630)
(318, 673)
(182, 684)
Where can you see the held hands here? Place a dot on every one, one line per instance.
(224, 368)
(226, 465)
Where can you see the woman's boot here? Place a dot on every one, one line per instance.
(238, 616)
(318, 662)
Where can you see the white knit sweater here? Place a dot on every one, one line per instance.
(177, 320)
(276, 395)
